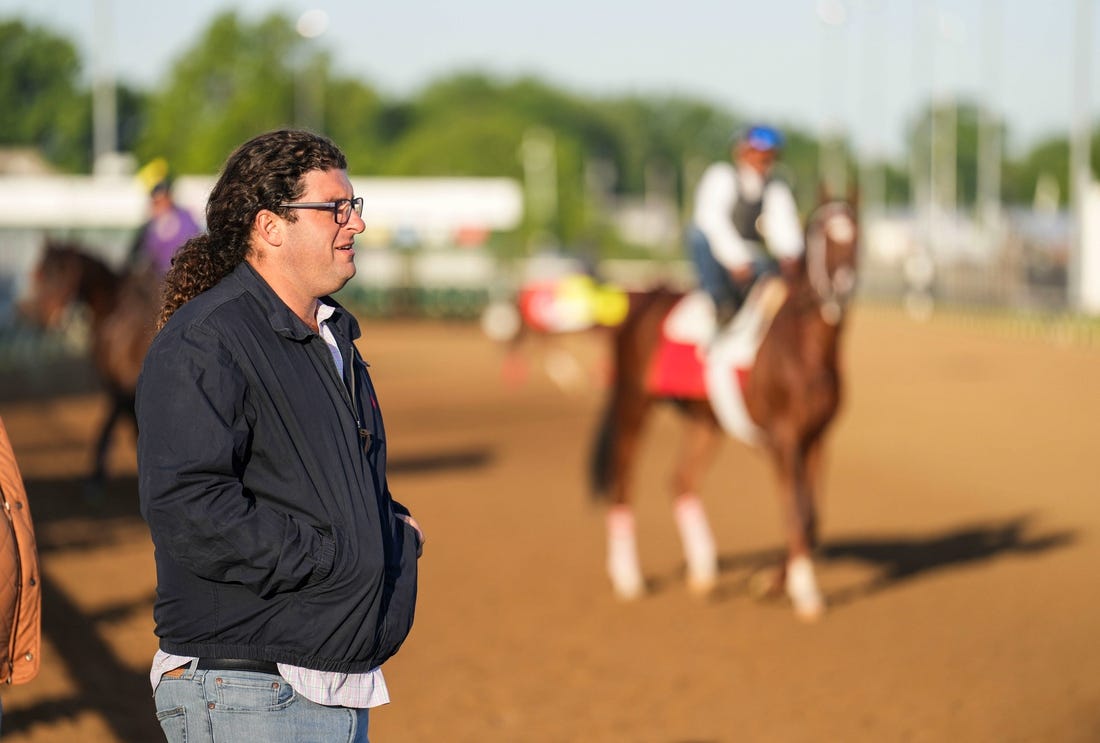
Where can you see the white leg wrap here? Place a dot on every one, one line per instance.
(564, 370)
(698, 543)
(622, 554)
(802, 589)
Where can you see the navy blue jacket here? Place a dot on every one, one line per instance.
(275, 534)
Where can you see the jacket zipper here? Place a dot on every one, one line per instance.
(364, 434)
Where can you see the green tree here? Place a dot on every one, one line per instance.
(356, 127)
(133, 112)
(237, 81)
(470, 124)
(674, 132)
(41, 103)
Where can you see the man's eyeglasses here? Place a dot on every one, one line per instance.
(341, 208)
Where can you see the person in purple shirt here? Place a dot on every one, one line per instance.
(169, 226)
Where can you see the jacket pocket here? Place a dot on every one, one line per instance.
(326, 556)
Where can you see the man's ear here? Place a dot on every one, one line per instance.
(269, 227)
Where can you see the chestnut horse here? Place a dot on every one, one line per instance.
(792, 393)
(122, 308)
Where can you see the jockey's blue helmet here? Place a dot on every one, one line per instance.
(762, 137)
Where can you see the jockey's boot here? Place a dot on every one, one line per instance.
(723, 313)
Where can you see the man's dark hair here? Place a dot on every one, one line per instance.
(262, 173)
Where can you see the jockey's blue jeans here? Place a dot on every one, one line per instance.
(246, 707)
(715, 279)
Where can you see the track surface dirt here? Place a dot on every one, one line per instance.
(960, 559)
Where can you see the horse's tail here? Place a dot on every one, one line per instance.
(601, 471)
(626, 362)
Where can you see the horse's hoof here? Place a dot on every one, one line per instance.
(628, 593)
(810, 612)
(702, 585)
(802, 589)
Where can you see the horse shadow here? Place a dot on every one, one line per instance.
(898, 560)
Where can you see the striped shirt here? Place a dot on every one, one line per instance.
(352, 690)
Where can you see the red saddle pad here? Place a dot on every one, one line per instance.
(676, 371)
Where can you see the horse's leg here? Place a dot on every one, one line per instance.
(514, 367)
(796, 574)
(563, 368)
(623, 565)
(799, 579)
(801, 583)
(814, 467)
(98, 476)
(699, 445)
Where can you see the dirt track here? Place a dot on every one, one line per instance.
(960, 560)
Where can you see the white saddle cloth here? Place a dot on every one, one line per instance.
(725, 351)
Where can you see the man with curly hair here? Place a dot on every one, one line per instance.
(286, 573)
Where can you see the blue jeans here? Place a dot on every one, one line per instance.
(715, 279)
(245, 707)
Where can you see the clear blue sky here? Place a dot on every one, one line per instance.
(867, 72)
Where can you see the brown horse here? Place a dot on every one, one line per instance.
(122, 309)
(791, 393)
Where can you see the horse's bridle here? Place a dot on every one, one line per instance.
(832, 290)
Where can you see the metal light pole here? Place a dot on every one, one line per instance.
(919, 268)
(831, 161)
(309, 90)
(920, 153)
(872, 179)
(989, 132)
(104, 104)
(538, 157)
(1082, 294)
(946, 134)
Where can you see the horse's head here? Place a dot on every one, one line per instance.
(59, 279)
(832, 242)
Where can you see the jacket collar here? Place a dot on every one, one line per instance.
(282, 319)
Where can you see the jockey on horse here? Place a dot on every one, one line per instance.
(745, 222)
(770, 377)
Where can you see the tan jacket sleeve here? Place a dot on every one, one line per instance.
(20, 583)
